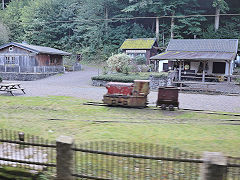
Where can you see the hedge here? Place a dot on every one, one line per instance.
(119, 77)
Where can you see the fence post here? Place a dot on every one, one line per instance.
(214, 166)
(64, 158)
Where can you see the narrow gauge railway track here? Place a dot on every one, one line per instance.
(153, 108)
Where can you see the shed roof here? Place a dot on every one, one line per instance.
(174, 55)
(199, 49)
(37, 49)
(141, 43)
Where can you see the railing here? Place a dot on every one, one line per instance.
(32, 69)
(105, 160)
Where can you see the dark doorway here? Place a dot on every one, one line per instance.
(165, 66)
(219, 67)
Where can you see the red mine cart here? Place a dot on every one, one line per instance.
(168, 97)
(127, 94)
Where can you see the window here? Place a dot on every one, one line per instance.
(10, 49)
(10, 60)
(131, 55)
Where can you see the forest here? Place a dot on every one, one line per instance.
(97, 28)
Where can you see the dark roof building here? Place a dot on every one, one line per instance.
(145, 47)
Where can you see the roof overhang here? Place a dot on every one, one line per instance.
(195, 56)
(28, 48)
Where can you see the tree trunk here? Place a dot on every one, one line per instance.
(172, 27)
(3, 5)
(217, 18)
(157, 28)
(106, 21)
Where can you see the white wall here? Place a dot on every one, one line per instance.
(160, 69)
(195, 64)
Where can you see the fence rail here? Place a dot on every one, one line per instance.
(106, 160)
(120, 160)
(26, 151)
(31, 69)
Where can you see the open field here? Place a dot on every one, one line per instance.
(49, 117)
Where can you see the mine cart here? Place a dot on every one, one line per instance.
(127, 94)
(167, 97)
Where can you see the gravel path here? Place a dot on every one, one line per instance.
(78, 84)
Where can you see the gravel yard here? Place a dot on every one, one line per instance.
(78, 84)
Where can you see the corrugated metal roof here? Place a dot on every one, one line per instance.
(174, 55)
(141, 43)
(37, 49)
(203, 45)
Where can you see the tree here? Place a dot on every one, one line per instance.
(4, 33)
(221, 6)
(11, 17)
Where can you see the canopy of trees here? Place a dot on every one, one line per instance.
(97, 28)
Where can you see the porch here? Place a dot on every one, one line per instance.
(203, 70)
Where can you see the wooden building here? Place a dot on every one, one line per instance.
(146, 47)
(200, 58)
(25, 58)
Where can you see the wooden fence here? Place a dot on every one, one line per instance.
(111, 160)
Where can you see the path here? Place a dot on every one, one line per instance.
(78, 84)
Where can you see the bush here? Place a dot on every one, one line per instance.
(120, 77)
(140, 60)
(118, 62)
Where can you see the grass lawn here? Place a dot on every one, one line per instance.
(49, 117)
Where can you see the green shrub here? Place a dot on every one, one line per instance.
(120, 77)
(118, 62)
(140, 60)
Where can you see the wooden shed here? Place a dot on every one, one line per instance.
(26, 58)
(146, 47)
(203, 59)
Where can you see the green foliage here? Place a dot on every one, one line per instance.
(78, 26)
(120, 77)
(221, 4)
(4, 33)
(229, 30)
(118, 62)
(11, 17)
(140, 60)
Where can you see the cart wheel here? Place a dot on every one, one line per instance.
(171, 107)
(163, 106)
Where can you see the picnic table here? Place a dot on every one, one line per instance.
(10, 87)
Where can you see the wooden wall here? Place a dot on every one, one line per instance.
(22, 57)
(26, 58)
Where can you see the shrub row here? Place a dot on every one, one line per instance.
(119, 77)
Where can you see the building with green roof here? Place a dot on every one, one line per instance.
(146, 47)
